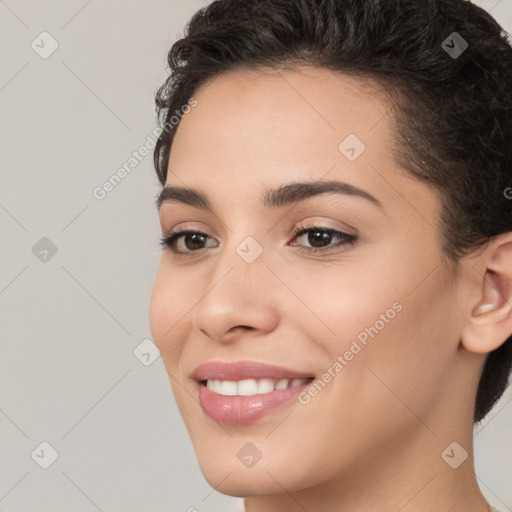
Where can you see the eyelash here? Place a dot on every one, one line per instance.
(347, 239)
(168, 240)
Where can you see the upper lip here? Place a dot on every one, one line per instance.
(221, 370)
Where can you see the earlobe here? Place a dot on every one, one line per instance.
(490, 322)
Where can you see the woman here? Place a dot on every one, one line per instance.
(334, 299)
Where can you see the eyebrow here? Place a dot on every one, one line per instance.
(274, 198)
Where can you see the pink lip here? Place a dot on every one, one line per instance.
(241, 410)
(219, 370)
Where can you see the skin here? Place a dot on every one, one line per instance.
(372, 439)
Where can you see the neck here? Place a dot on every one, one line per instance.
(410, 476)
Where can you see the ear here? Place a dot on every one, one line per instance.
(490, 323)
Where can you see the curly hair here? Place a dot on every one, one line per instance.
(452, 109)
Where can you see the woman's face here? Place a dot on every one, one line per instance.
(374, 319)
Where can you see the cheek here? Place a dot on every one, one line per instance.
(387, 312)
(343, 302)
(169, 304)
(400, 350)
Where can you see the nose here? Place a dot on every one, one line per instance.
(239, 300)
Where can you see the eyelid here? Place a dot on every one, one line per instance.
(302, 229)
(347, 240)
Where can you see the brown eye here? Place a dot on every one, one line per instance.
(193, 241)
(184, 242)
(321, 238)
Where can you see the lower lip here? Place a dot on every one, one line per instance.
(242, 410)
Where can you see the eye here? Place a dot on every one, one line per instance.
(320, 238)
(184, 242)
(187, 242)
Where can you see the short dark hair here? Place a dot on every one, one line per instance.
(453, 111)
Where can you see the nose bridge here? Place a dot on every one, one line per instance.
(243, 252)
(238, 293)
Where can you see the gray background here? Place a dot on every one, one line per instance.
(71, 321)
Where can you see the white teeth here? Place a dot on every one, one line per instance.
(282, 384)
(251, 387)
(228, 388)
(214, 385)
(247, 387)
(265, 386)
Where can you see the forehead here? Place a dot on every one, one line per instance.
(254, 131)
(254, 123)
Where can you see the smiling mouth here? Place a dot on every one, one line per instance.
(252, 387)
(243, 392)
(240, 402)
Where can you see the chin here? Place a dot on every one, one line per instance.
(244, 482)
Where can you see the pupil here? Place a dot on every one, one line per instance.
(196, 239)
(316, 241)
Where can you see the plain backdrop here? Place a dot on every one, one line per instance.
(76, 271)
